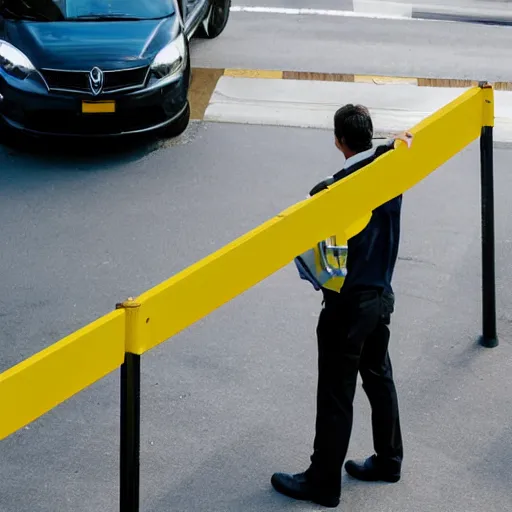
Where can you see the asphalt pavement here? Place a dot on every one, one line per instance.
(332, 44)
(231, 399)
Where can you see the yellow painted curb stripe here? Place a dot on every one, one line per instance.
(204, 81)
(253, 73)
(381, 80)
(345, 77)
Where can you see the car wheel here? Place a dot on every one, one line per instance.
(7, 136)
(216, 20)
(178, 126)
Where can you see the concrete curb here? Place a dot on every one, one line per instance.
(464, 18)
(481, 15)
(310, 104)
(283, 98)
(205, 80)
(347, 77)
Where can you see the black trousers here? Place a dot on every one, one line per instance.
(353, 337)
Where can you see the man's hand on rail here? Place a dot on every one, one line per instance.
(405, 137)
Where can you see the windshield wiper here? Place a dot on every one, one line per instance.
(104, 17)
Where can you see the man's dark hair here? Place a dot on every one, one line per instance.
(353, 125)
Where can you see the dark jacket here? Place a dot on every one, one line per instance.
(372, 253)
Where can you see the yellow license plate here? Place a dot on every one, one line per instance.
(98, 107)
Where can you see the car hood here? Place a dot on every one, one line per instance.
(83, 45)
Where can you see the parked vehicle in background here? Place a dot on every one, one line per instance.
(100, 67)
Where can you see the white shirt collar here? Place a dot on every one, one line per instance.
(354, 159)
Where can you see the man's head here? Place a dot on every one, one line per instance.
(353, 129)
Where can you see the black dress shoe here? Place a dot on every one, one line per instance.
(371, 471)
(300, 488)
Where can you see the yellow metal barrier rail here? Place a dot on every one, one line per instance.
(197, 291)
(41, 382)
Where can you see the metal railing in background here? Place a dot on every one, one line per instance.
(119, 339)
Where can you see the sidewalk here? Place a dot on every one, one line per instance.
(311, 104)
(476, 11)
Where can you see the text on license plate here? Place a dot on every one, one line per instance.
(98, 107)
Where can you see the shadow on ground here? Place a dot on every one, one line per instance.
(89, 154)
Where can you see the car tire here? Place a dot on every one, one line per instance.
(7, 135)
(178, 126)
(216, 20)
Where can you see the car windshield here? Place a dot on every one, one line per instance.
(86, 10)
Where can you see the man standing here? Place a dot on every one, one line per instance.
(353, 336)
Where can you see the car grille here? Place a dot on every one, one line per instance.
(78, 81)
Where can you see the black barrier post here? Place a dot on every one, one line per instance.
(489, 335)
(130, 434)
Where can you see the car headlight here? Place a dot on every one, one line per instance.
(14, 62)
(171, 60)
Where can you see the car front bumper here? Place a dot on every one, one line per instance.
(39, 112)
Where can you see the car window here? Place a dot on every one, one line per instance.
(59, 10)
